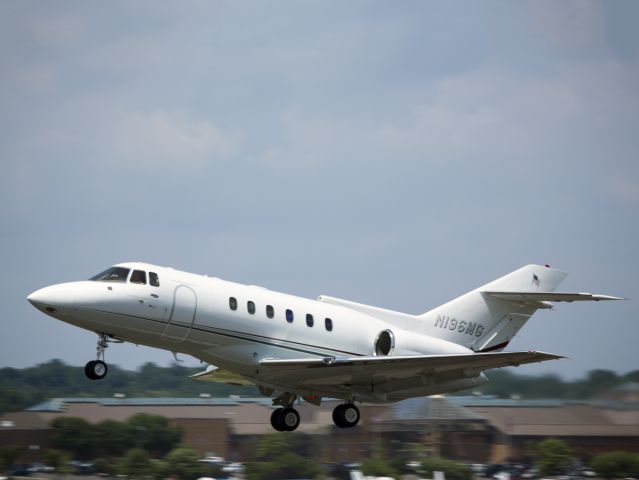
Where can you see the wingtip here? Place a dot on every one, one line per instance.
(550, 356)
(609, 297)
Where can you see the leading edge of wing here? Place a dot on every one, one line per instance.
(435, 363)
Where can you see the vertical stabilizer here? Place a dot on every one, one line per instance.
(484, 323)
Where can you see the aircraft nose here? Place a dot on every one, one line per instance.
(51, 298)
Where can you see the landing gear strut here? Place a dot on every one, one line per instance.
(97, 369)
(346, 415)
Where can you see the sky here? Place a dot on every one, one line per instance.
(393, 153)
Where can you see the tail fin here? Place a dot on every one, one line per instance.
(485, 323)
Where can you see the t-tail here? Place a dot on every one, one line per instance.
(487, 318)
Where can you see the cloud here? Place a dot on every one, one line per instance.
(94, 132)
(498, 114)
(163, 138)
(570, 23)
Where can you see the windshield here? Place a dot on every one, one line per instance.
(113, 274)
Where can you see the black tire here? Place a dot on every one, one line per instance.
(96, 370)
(289, 419)
(276, 420)
(346, 415)
(88, 370)
(337, 416)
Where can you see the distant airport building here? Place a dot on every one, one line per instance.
(471, 429)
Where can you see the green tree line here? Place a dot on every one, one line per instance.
(504, 383)
(22, 388)
(109, 438)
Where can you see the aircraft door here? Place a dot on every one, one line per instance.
(182, 314)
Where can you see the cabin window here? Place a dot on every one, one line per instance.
(309, 320)
(233, 303)
(328, 323)
(153, 279)
(138, 276)
(289, 315)
(250, 306)
(113, 274)
(270, 312)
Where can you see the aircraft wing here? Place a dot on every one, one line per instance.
(530, 297)
(365, 371)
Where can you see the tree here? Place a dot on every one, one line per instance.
(275, 445)
(153, 433)
(74, 435)
(616, 465)
(378, 467)
(114, 438)
(59, 460)
(554, 456)
(283, 456)
(181, 462)
(452, 470)
(289, 465)
(136, 464)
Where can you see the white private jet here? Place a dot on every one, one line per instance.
(294, 347)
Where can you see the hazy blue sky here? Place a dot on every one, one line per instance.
(393, 153)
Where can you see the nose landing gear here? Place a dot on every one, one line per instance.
(97, 369)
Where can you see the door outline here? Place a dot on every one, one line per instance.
(170, 324)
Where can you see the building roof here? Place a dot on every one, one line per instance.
(61, 404)
(431, 409)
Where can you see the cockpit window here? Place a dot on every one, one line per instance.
(113, 274)
(138, 276)
(153, 279)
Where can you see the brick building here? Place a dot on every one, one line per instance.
(473, 429)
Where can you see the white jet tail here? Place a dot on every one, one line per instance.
(487, 318)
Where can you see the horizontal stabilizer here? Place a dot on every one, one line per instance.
(218, 375)
(532, 297)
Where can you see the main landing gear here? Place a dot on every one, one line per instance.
(287, 419)
(346, 415)
(97, 369)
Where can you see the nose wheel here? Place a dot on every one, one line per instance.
(346, 415)
(97, 369)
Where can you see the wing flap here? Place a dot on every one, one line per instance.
(218, 375)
